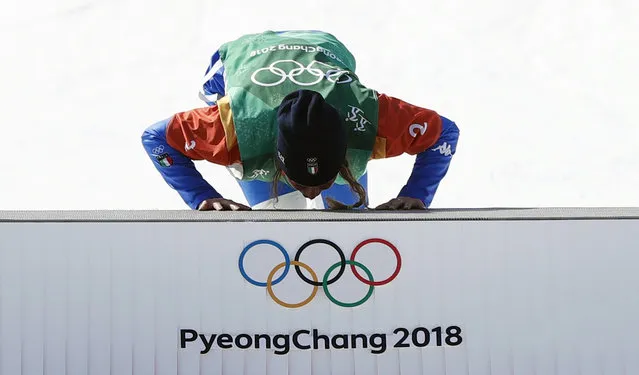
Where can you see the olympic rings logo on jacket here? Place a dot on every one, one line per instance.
(315, 282)
(333, 74)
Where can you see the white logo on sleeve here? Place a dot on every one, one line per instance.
(189, 146)
(357, 116)
(412, 130)
(259, 173)
(443, 149)
(157, 150)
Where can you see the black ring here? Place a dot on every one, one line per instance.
(331, 244)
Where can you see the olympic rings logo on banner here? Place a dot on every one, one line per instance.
(332, 74)
(315, 282)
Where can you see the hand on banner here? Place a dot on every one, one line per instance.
(402, 203)
(221, 204)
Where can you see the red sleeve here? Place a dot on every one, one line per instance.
(201, 134)
(404, 128)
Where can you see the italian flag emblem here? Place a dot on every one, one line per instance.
(165, 160)
(311, 166)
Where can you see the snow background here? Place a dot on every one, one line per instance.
(543, 92)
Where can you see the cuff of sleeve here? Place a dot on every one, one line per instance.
(415, 192)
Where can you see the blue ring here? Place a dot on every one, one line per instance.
(287, 260)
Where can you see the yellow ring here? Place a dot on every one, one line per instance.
(269, 285)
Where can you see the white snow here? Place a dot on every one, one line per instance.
(544, 93)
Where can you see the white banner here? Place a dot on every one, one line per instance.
(440, 297)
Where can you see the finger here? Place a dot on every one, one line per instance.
(234, 206)
(396, 204)
(383, 206)
(413, 204)
(218, 206)
(390, 205)
(238, 206)
(205, 206)
(241, 206)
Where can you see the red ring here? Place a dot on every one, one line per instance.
(389, 279)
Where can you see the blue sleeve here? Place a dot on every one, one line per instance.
(177, 170)
(213, 82)
(432, 165)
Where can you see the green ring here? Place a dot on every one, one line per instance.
(340, 303)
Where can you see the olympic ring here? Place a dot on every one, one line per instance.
(158, 150)
(279, 301)
(333, 74)
(383, 282)
(325, 282)
(334, 246)
(268, 242)
(344, 304)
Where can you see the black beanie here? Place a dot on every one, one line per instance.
(311, 142)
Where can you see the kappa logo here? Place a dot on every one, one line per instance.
(189, 146)
(357, 116)
(443, 149)
(259, 173)
(275, 74)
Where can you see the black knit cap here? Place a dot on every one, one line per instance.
(311, 142)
